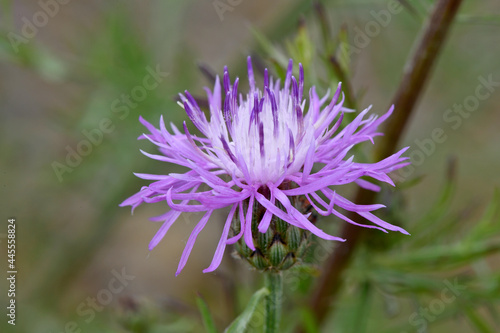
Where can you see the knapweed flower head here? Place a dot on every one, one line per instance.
(262, 148)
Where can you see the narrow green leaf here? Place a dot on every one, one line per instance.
(488, 225)
(479, 19)
(269, 48)
(477, 321)
(344, 51)
(301, 48)
(240, 324)
(362, 307)
(206, 316)
(397, 281)
(429, 223)
(441, 257)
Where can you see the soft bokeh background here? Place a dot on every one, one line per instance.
(71, 233)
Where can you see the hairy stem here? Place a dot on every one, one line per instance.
(415, 75)
(274, 283)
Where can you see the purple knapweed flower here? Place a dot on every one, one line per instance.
(260, 148)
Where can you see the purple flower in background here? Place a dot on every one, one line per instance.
(260, 148)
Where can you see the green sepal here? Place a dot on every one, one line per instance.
(277, 253)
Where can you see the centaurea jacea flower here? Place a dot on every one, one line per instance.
(263, 150)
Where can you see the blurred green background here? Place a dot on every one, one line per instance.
(65, 76)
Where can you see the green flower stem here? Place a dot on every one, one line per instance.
(274, 283)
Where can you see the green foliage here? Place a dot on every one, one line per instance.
(446, 254)
(206, 316)
(241, 323)
(308, 321)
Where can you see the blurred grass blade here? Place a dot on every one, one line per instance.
(477, 321)
(301, 49)
(206, 316)
(488, 224)
(360, 315)
(343, 52)
(241, 322)
(484, 19)
(308, 321)
(426, 225)
(441, 257)
(397, 281)
(269, 48)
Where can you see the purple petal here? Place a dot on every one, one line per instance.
(251, 79)
(345, 218)
(261, 139)
(306, 224)
(151, 128)
(236, 238)
(192, 239)
(301, 82)
(266, 219)
(164, 158)
(288, 76)
(348, 205)
(370, 217)
(329, 207)
(248, 225)
(243, 167)
(266, 79)
(171, 217)
(276, 211)
(227, 149)
(151, 176)
(295, 90)
(317, 185)
(309, 161)
(183, 207)
(227, 81)
(291, 143)
(216, 97)
(367, 185)
(219, 252)
(274, 109)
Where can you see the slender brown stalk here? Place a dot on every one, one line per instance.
(416, 72)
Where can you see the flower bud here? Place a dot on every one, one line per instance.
(279, 248)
